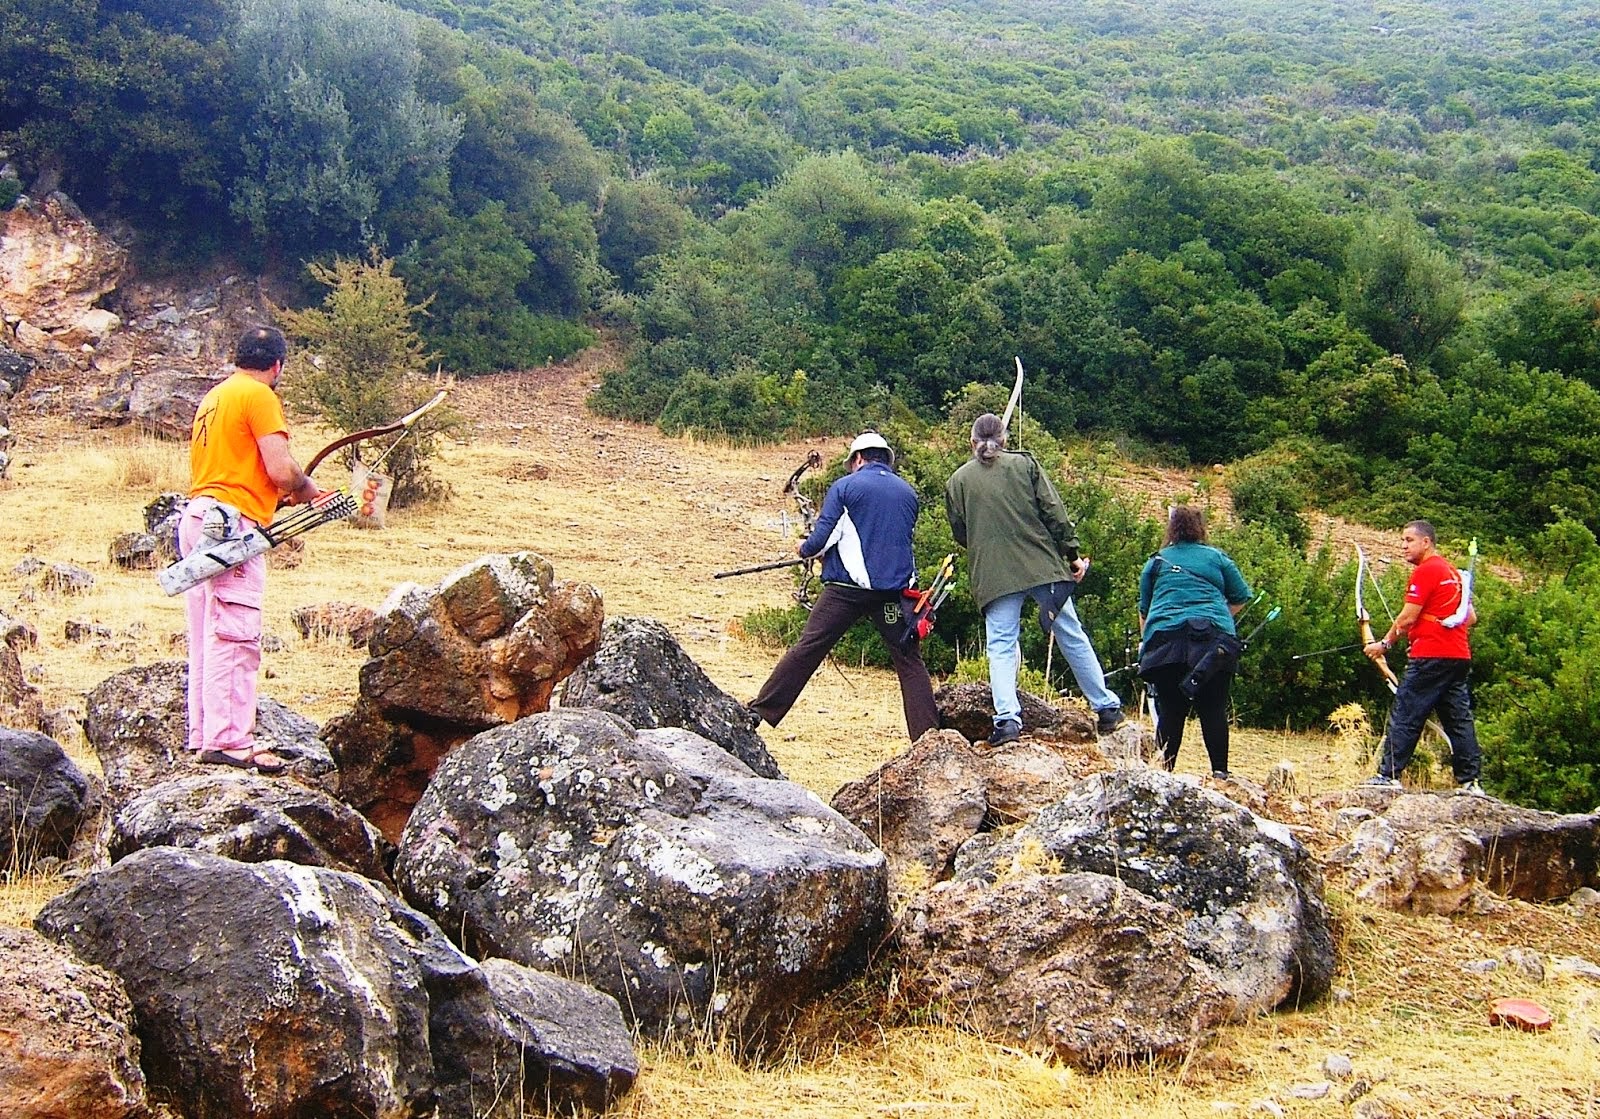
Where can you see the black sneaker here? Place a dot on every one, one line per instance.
(1109, 720)
(1008, 730)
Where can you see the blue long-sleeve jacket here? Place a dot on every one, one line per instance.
(865, 529)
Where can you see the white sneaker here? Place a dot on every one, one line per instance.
(1472, 789)
(1382, 782)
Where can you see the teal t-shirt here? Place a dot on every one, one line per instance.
(1190, 582)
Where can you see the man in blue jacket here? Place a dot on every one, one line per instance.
(864, 537)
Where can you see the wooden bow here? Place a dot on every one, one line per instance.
(402, 425)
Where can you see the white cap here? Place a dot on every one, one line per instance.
(869, 439)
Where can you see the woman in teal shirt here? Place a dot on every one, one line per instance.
(1189, 593)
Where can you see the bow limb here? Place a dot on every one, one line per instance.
(1016, 397)
(1364, 623)
(402, 424)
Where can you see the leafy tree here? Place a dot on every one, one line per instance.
(335, 123)
(1401, 288)
(362, 365)
(128, 102)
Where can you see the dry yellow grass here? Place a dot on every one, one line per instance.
(647, 520)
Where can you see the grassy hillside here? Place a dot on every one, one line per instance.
(647, 520)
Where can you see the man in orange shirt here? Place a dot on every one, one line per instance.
(239, 467)
(1435, 620)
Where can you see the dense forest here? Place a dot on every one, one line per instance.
(1351, 248)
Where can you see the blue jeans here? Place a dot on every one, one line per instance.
(1002, 624)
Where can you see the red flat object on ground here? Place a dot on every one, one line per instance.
(1524, 1014)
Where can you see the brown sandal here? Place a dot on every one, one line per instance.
(262, 761)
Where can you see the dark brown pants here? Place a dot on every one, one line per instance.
(835, 612)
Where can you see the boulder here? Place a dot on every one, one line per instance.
(67, 1045)
(43, 796)
(136, 551)
(345, 620)
(67, 578)
(486, 646)
(969, 708)
(641, 673)
(1430, 871)
(137, 721)
(921, 806)
(273, 989)
(1251, 894)
(20, 705)
(252, 819)
(572, 1036)
(653, 864)
(1527, 854)
(54, 264)
(164, 401)
(14, 369)
(1080, 967)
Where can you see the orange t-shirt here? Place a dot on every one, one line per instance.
(224, 460)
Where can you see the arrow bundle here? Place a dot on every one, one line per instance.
(214, 557)
(925, 604)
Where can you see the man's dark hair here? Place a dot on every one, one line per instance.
(261, 347)
(877, 454)
(1423, 528)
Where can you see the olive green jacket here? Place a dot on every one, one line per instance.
(1011, 521)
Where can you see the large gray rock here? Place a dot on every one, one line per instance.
(252, 819)
(43, 797)
(137, 722)
(652, 864)
(20, 705)
(969, 708)
(1251, 893)
(1432, 870)
(1079, 966)
(922, 805)
(1527, 854)
(273, 989)
(484, 647)
(641, 673)
(572, 1035)
(67, 1046)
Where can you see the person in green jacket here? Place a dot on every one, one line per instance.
(1020, 544)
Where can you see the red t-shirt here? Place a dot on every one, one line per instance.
(1436, 587)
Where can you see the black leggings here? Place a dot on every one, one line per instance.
(1172, 708)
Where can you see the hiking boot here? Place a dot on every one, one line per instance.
(1109, 720)
(1382, 782)
(1007, 730)
(1221, 775)
(1471, 788)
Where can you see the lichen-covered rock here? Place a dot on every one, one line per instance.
(1251, 894)
(1079, 966)
(273, 989)
(486, 646)
(137, 721)
(54, 264)
(67, 1046)
(43, 796)
(1525, 853)
(252, 819)
(969, 708)
(641, 673)
(652, 864)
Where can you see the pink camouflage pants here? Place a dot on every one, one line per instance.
(224, 616)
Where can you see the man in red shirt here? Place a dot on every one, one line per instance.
(1438, 663)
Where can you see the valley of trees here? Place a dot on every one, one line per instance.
(1351, 249)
